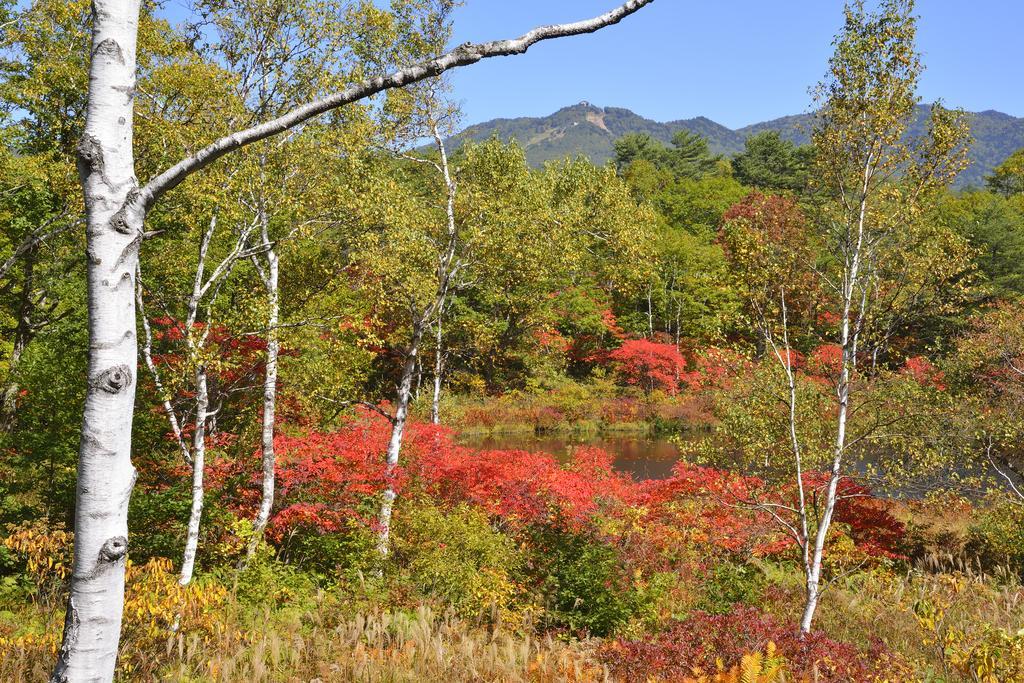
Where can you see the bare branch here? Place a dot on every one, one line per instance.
(463, 55)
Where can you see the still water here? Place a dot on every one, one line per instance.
(643, 456)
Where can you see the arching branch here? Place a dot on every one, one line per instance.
(464, 55)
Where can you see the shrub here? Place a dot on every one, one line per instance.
(456, 557)
(997, 536)
(729, 583)
(704, 640)
(648, 365)
(583, 585)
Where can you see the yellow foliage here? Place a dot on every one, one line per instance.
(983, 653)
(156, 608)
(756, 667)
(46, 551)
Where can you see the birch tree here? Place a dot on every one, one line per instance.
(195, 330)
(865, 258)
(116, 206)
(881, 180)
(413, 257)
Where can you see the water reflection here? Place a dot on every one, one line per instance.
(643, 456)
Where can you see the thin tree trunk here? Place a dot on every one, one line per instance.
(435, 406)
(849, 336)
(198, 465)
(106, 476)
(679, 317)
(650, 314)
(269, 458)
(395, 443)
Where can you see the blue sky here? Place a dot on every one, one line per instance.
(735, 61)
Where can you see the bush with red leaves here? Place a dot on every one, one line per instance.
(649, 365)
(924, 372)
(704, 639)
(525, 488)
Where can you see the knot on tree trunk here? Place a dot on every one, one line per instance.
(109, 47)
(120, 221)
(114, 549)
(113, 379)
(89, 153)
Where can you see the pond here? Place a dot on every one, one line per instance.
(641, 455)
(645, 456)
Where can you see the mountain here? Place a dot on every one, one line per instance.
(589, 130)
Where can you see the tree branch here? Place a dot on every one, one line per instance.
(464, 55)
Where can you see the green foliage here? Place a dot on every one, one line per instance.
(456, 557)
(1008, 177)
(729, 583)
(266, 581)
(583, 586)
(770, 162)
(997, 536)
(689, 156)
(994, 228)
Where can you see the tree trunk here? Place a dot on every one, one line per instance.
(269, 398)
(198, 464)
(650, 314)
(395, 443)
(435, 406)
(114, 232)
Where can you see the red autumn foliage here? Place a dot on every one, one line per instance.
(525, 488)
(713, 368)
(704, 639)
(922, 371)
(649, 365)
(778, 220)
(825, 361)
(328, 480)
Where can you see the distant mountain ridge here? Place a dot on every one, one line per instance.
(589, 130)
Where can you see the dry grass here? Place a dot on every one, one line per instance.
(378, 647)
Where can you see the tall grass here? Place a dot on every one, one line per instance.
(263, 646)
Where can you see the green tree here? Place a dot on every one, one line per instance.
(769, 162)
(1008, 177)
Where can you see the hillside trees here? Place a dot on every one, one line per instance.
(116, 206)
(1007, 178)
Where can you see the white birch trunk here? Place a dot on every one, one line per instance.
(395, 443)
(435, 406)
(198, 464)
(269, 466)
(106, 476)
(650, 314)
(848, 340)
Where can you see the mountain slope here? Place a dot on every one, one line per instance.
(588, 130)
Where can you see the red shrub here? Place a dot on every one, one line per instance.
(703, 639)
(825, 361)
(713, 367)
(523, 487)
(648, 364)
(922, 371)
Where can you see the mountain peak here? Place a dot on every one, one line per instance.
(589, 130)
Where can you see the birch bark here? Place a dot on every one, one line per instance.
(114, 232)
(115, 212)
(395, 442)
(270, 276)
